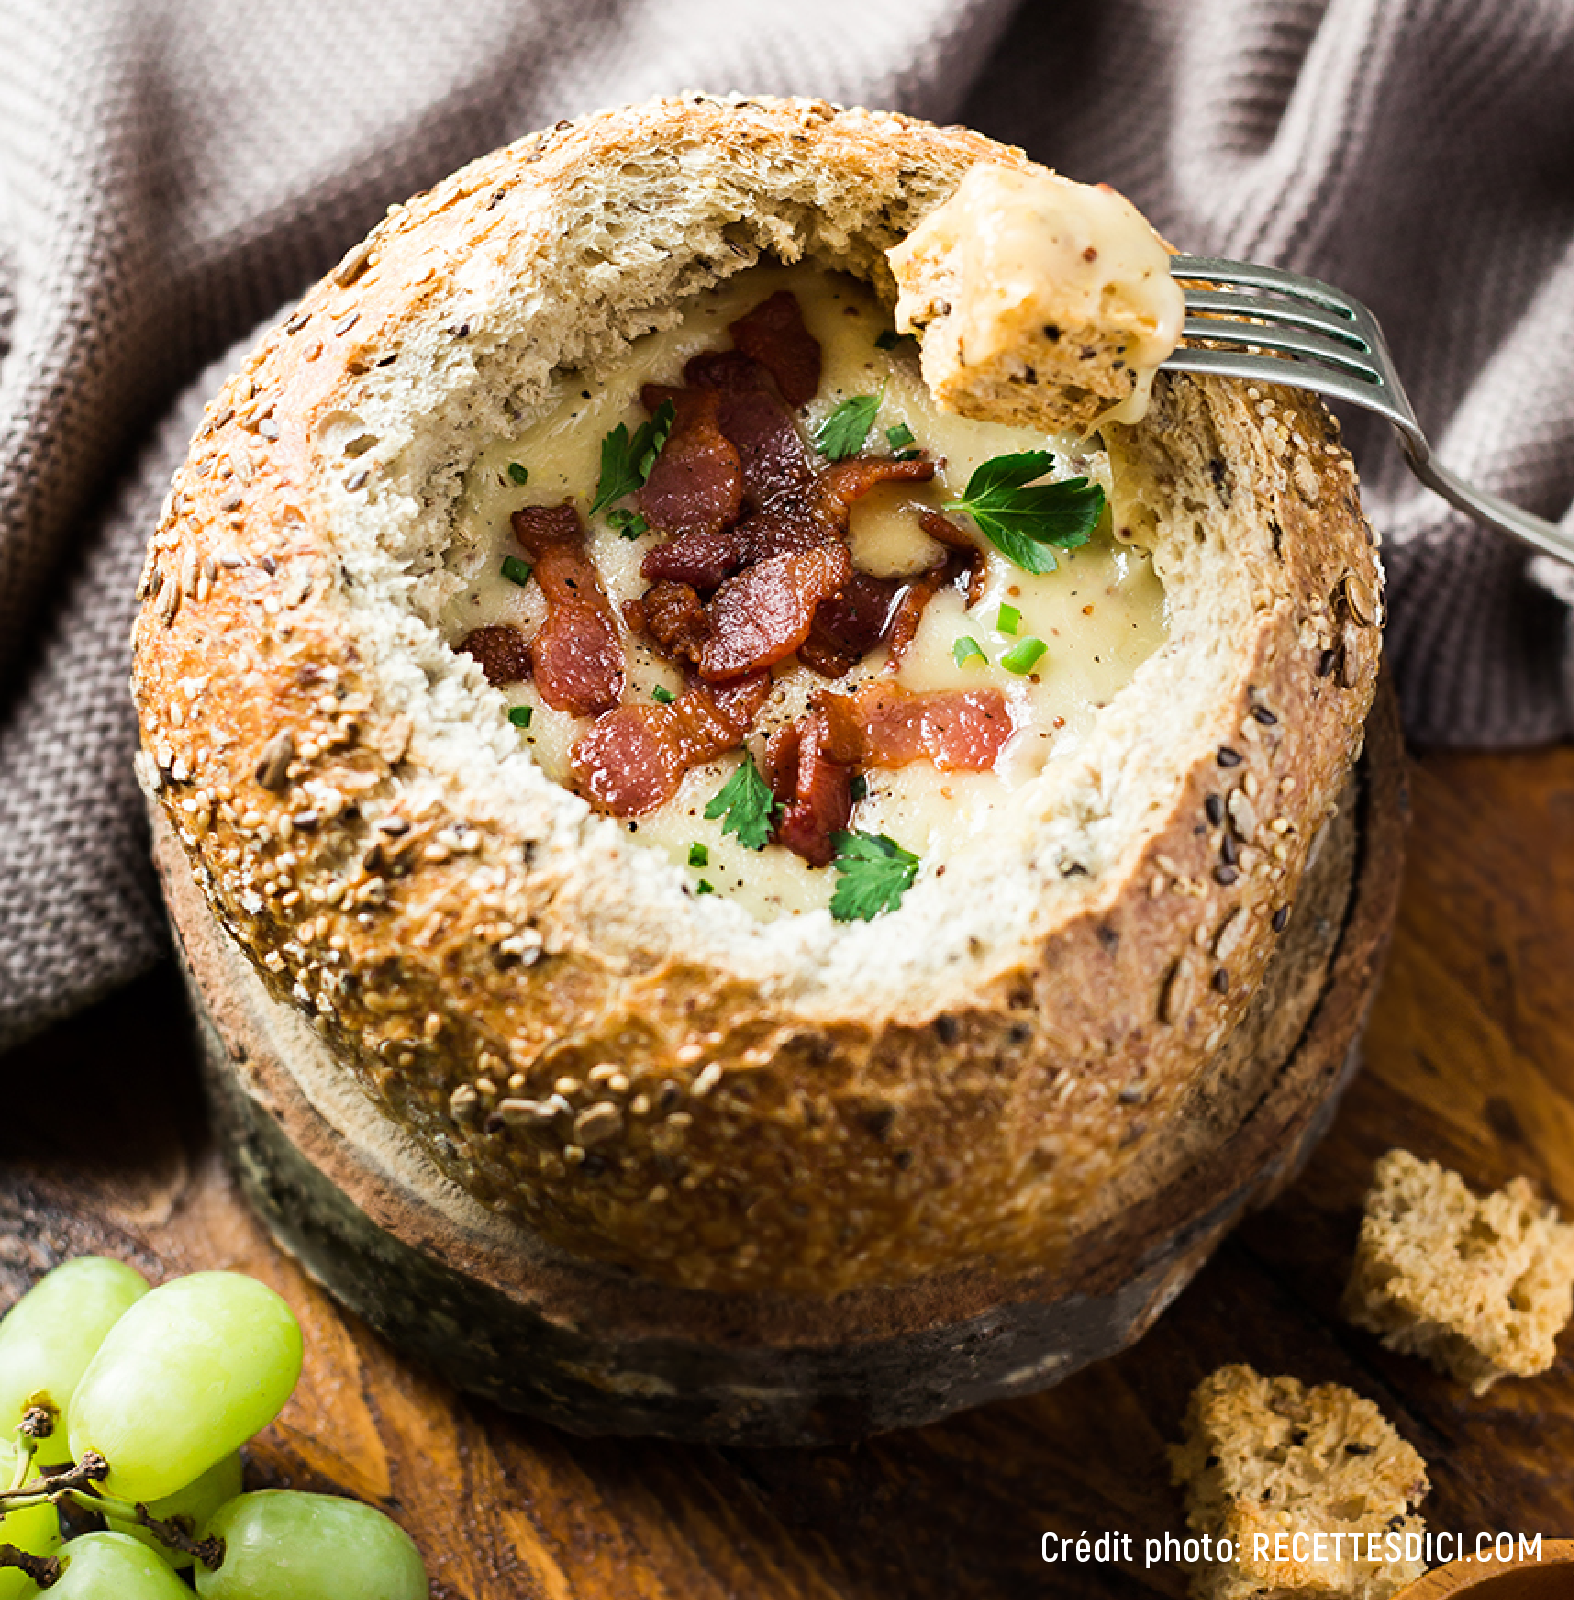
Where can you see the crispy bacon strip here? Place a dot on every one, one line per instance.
(846, 481)
(815, 792)
(849, 625)
(502, 650)
(703, 560)
(697, 481)
(750, 412)
(884, 725)
(577, 655)
(632, 759)
(944, 531)
(765, 612)
(773, 333)
(672, 615)
(871, 611)
(909, 609)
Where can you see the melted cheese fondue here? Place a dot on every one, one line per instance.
(1099, 614)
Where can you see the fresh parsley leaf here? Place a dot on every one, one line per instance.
(518, 474)
(746, 804)
(516, 571)
(662, 695)
(1008, 620)
(1023, 518)
(876, 872)
(626, 462)
(967, 649)
(842, 434)
(629, 523)
(520, 715)
(900, 436)
(699, 856)
(1023, 657)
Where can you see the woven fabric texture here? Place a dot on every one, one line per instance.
(174, 171)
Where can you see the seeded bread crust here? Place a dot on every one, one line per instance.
(1267, 1458)
(648, 1078)
(1480, 1285)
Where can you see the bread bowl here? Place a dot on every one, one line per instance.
(722, 1095)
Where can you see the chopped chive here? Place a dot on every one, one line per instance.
(520, 715)
(699, 856)
(1009, 620)
(629, 523)
(516, 571)
(518, 473)
(1022, 658)
(662, 695)
(900, 436)
(858, 787)
(967, 649)
(702, 887)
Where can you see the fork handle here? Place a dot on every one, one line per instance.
(1537, 532)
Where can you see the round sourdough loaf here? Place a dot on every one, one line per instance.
(800, 1105)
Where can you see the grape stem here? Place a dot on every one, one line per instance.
(179, 1533)
(43, 1570)
(25, 1446)
(38, 1422)
(53, 1484)
(79, 1484)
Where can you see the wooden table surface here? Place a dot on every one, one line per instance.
(1470, 1059)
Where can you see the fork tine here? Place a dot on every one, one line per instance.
(1280, 328)
(1302, 332)
(1284, 340)
(1294, 313)
(1249, 275)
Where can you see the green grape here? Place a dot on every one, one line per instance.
(185, 1378)
(48, 1337)
(197, 1501)
(282, 1545)
(109, 1566)
(34, 1529)
(96, 1566)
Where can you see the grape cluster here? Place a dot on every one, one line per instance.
(132, 1403)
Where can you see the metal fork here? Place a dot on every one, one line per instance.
(1278, 327)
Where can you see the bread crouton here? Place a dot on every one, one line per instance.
(1266, 1460)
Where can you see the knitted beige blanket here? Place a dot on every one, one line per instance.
(173, 171)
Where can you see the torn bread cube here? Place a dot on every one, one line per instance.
(1479, 1285)
(1038, 301)
(1300, 1491)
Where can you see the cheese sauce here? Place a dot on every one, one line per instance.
(1100, 614)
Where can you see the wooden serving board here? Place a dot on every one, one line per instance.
(1470, 1059)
